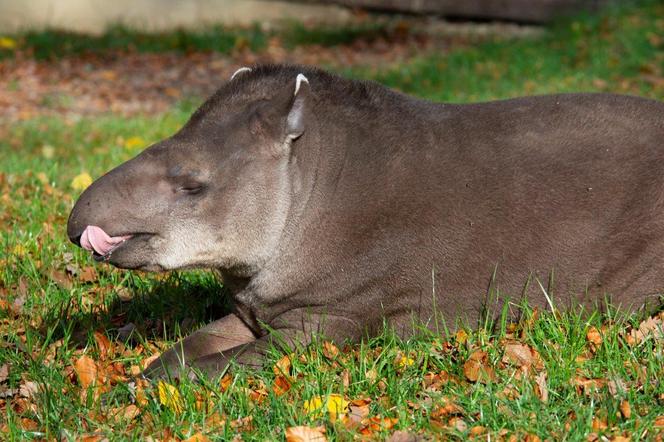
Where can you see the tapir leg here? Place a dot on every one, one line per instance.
(217, 337)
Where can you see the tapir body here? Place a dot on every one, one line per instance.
(333, 206)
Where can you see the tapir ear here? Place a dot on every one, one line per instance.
(240, 71)
(284, 117)
(296, 115)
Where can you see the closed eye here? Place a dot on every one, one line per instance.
(191, 189)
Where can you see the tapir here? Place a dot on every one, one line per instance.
(336, 207)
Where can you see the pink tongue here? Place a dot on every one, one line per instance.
(94, 238)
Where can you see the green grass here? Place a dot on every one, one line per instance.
(53, 44)
(61, 309)
(618, 51)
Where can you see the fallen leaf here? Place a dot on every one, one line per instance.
(541, 388)
(103, 344)
(305, 434)
(134, 143)
(28, 389)
(518, 354)
(81, 181)
(281, 385)
(335, 405)
(169, 396)
(659, 422)
(625, 409)
(7, 43)
(476, 368)
(88, 274)
(599, 424)
(243, 424)
(283, 366)
(4, 372)
(403, 436)
(330, 351)
(616, 387)
(198, 437)
(594, 337)
(458, 424)
(128, 412)
(86, 370)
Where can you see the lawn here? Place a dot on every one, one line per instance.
(75, 334)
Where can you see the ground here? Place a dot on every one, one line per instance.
(75, 335)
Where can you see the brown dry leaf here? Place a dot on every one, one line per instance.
(94, 437)
(305, 434)
(620, 439)
(653, 326)
(4, 372)
(28, 389)
(659, 422)
(149, 360)
(128, 412)
(345, 378)
(225, 382)
(86, 370)
(458, 424)
(477, 430)
(403, 436)
(447, 409)
(541, 388)
(283, 366)
(198, 437)
(215, 421)
(517, 354)
(476, 368)
(330, 351)
(625, 409)
(594, 337)
(243, 424)
(376, 424)
(616, 386)
(88, 274)
(103, 344)
(357, 411)
(28, 424)
(281, 385)
(599, 424)
(588, 386)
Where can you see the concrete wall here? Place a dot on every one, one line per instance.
(94, 16)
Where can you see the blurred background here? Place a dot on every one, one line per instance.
(87, 57)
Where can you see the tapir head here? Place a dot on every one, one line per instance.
(215, 195)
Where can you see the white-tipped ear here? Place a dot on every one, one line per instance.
(239, 71)
(298, 82)
(296, 115)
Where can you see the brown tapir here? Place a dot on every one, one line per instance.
(330, 205)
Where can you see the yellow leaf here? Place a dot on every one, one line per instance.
(81, 181)
(405, 361)
(169, 396)
(7, 43)
(335, 405)
(19, 250)
(134, 143)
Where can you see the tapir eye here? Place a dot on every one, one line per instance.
(191, 188)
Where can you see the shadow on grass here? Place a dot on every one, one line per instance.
(162, 309)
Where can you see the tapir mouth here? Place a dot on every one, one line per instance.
(100, 243)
